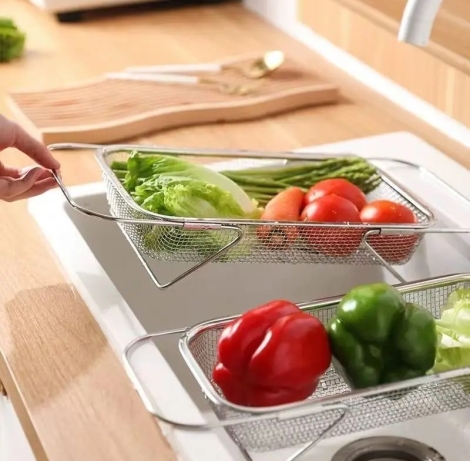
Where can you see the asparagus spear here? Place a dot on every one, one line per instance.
(262, 184)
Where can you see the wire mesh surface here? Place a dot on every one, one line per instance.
(268, 242)
(365, 413)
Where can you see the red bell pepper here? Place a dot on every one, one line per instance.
(271, 355)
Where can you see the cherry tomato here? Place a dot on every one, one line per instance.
(396, 248)
(340, 187)
(332, 241)
(387, 212)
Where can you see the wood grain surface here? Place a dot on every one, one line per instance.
(438, 73)
(450, 37)
(110, 110)
(72, 396)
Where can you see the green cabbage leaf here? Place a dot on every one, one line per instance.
(453, 329)
(171, 186)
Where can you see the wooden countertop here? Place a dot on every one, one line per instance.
(69, 390)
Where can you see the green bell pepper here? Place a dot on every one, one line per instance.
(376, 337)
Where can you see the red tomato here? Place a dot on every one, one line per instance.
(395, 249)
(340, 187)
(387, 212)
(327, 240)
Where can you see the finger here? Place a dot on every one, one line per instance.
(10, 187)
(44, 175)
(39, 188)
(16, 173)
(12, 135)
(9, 171)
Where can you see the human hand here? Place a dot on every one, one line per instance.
(19, 184)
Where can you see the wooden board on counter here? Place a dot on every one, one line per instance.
(110, 110)
(68, 387)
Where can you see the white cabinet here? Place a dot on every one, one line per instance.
(13, 443)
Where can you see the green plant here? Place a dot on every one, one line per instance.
(12, 40)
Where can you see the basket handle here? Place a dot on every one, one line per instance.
(152, 222)
(421, 169)
(280, 415)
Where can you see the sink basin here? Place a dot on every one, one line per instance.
(121, 296)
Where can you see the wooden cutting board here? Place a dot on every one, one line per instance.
(107, 111)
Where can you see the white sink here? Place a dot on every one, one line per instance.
(98, 260)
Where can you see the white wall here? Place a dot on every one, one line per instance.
(282, 14)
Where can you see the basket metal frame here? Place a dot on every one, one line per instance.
(154, 219)
(284, 412)
(281, 412)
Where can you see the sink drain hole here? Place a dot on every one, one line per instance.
(386, 455)
(387, 449)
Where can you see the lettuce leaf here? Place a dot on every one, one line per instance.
(453, 351)
(170, 186)
(186, 197)
(185, 189)
(453, 329)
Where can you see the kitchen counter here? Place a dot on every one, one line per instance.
(66, 383)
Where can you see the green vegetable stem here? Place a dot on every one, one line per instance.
(262, 184)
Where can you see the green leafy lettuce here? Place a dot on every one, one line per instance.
(186, 197)
(453, 329)
(174, 187)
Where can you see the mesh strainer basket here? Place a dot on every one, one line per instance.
(251, 241)
(200, 241)
(334, 409)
